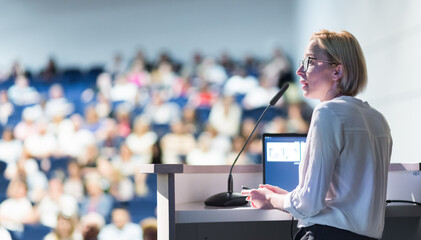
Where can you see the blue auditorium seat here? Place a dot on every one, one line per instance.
(58, 164)
(180, 101)
(72, 75)
(35, 232)
(161, 129)
(141, 207)
(202, 114)
(4, 182)
(256, 112)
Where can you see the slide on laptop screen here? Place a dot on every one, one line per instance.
(282, 154)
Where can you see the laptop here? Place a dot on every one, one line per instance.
(282, 154)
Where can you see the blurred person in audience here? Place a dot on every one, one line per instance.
(6, 108)
(127, 166)
(296, 123)
(278, 124)
(17, 69)
(28, 125)
(54, 203)
(49, 72)
(261, 95)
(141, 56)
(213, 73)
(177, 144)
(254, 147)
(122, 114)
(88, 160)
(66, 229)
(116, 66)
(111, 140)
(181, 89)
(120, 187)
(226, 61)
(160, 111)
(126, 162)
(103, 106)
(225, 116)
(90, 225)
(57, 123)
(150, 228)
(138, 75)
(237, 144)
(252, 65)
(219, 142)
(73, 184)
(4, 234)
(73, 139)
(240, 83)
(20, 93)
(123, 90)
(104, 84)
(96, 200)
(92, 122)
(190, 120)
(121, 227)
(164, 57)
(204, 98)
(141, 140)
(10, 148)
(27, 169)
(191, 69)
(163, 77)
(42, 144)
(278, 67)
(204, 154)
(57, 102)
(17, 210)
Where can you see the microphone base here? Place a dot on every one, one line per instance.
(226, 199)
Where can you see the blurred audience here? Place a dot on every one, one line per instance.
(96, 199)
(90, 225)
(121, 227)
(73, 151)
(17, 210)
(177, 144)
(56, 204)
(6, 108)
(225, 116)
(21, 93)
(66, 229)
(149, 228)
(140, 142)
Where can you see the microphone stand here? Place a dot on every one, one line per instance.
(231, 198)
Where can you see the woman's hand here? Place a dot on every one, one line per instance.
(266, 197)
(274, 189)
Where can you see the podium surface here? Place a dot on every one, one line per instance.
(182, 214)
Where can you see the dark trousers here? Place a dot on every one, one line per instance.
(322, 232)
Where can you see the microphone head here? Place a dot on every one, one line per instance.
(281, 92)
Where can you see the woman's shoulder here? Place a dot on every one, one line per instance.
(339, 104)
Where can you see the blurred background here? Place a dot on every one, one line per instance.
(91, 89)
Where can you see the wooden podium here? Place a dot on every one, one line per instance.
(182, 214)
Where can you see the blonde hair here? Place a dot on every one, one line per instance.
(342, 48)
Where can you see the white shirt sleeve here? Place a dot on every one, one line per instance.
(324, 143)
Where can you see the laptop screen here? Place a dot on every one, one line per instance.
(282, 154)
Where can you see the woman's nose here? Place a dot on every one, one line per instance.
(300, 70)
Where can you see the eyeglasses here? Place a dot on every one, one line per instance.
(306, 62)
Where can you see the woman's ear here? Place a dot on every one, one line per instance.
(338, 72)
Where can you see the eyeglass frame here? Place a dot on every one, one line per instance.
(307, 60)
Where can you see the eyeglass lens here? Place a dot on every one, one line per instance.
(304, 63)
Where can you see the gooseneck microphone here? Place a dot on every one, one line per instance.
(231, 198)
